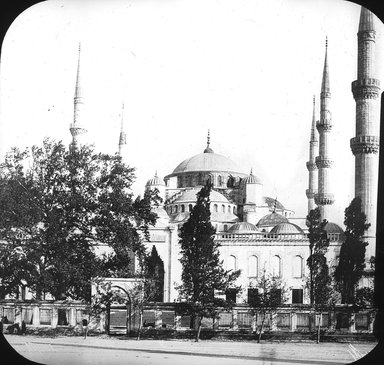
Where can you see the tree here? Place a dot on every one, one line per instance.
(271, 294)
(155, 272)
(317, 263)
(351, 264)
(61, 207)
(321, 288)
(203, 274)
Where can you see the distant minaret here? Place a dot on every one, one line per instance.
(122, 137)
(365, 146)
(311, 164)
(324, 198)
(76, 128)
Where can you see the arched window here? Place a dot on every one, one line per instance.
(225, 227)
(200, 179)
(297, 266)
(215, 208)
(179, 182)
(252, 266)
(276, 266)
(232, 264)
(234, 210)
(190, 207)
(182, 208)
(229, 209)
(223, 208)
(175, 209)
(220, 180)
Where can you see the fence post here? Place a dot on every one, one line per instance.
(158, 318)
(36, 316)
(234, 320)
(54, 317)
(293, 321)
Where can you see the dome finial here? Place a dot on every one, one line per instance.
(208, 149)
(251, 171)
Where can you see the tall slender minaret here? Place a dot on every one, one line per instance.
(122, 137)
(76, 128)
(365, 146)
(311, 164)
(324, 198)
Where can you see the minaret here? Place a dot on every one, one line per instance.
(122, 137)
(76, 128)
(365, 146)
(324, 198)
(311, 164)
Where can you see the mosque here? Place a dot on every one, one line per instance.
(257, 232)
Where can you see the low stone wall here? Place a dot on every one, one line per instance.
(163, 320)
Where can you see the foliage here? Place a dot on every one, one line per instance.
(351, 264)
(155, 272)
(271, 294)
(58, 205)
(203, 274)
(320, 280)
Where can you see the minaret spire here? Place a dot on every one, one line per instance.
(324, 198)
(76, 128)
(311, 164)
(365, 145)
(122, 137)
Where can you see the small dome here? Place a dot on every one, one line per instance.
(333, 228)
(251, 179)
(155, 181)
(243, 227)
(286, 228)
(271, 220)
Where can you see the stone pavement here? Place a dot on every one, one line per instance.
(284, 352)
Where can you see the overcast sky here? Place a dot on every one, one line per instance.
(247, 70)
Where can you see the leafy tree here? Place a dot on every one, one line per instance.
(271, 294)
(351, 264)
(61, 207)
(321, 288)
(155, 272)
(203, 274)
(319, 277)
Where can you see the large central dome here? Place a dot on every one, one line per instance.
(207, 161)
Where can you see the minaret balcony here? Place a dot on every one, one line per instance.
(311, 166)
(367, 88)
(324, 198)
(365, 144)
(310, 193)
(323, 162)
(76, 129)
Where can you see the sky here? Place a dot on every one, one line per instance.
(247, 70)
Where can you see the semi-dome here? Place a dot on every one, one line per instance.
(155, 181)
(271, 220)
(190, 196)
(331, 227)
(243, 227)
(286, 228)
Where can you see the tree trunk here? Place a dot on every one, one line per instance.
(140, 325)
(261, 329)
(198, 329)
(319, 327)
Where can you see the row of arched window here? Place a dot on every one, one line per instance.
(182, 208)
(275, 265)
(201, 178)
